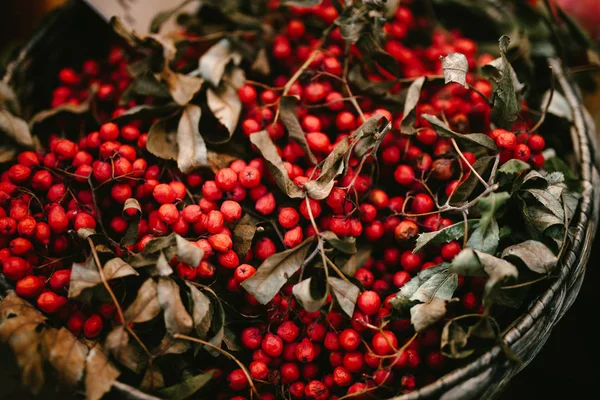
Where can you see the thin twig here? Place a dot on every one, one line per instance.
(543, 117)
(518, 285)
(462, 156)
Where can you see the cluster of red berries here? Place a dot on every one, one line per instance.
(314, 355)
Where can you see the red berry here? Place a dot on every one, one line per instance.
(404, 175)
(305, 351)
(384, 343)
(231, 210)
(237, 380)
(249, 177)
(251, 338)
(50, 302)
(522, 152)
(30, 286)
(409, 261)
(450, 250)
(368, 302)
(422, 204)
(536, 143)
(350, 339)
(163, 194)
(272, 345)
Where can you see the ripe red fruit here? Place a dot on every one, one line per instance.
(20, 246)
(75, 323)
(401, 278)
(289, 372)
(305, 351)
(50, 302)
(93, 326)
(249, 177)
(316, 390)
(406, 230)
(368, 302)
(288, 331)
(522, 152)
(427, 136)
(19, 174)
(349, 339)
(288, 217)
(164, 194)
(342, 377)
(422, 204)
(57, 219)
(84, 220)
(237, 380)
(30, 286)
(226, 178)
(353, 361)
(404, 175)
(272, 345)
(409, 261)
(41, 181)
(259, 370)
(450, 250)
(293, 237)
(318, 142)
(264, 248)
(504, 139)
(251, 338)
(109, 132)
(538, 160)
(59, 281)
(220, 242)
(65, 149)
(315, 208)
(266, 204)
(120, 192)
(384, 343)
(231, 211)
(536, 143)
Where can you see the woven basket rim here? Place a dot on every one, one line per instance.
(584, 137)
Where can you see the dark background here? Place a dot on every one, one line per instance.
(566, 367)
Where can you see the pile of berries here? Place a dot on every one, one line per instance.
(385, 201)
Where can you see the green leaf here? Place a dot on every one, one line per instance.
(243, 234)
(444, 130)
(191, 149)
(556, 164)
(346, 245)
(445, 235)
(471, 262)
(436, 282)
(345, 293)
(422, 316)
(274, 272)
(486, 238)
(511, 170)
(506, 97)
(409, 116)
(535, 255)
(188, 387)
(307, 296)
(455, 67)
(268, 150)
(287, 110)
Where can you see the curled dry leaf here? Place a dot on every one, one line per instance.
(64, 109)
(169, 345)
(177, 319)
(19, 329)
(182, 87)
(100, 374)
(345, 293)
(131, 204)
(455, 67)
(66, 354)
(145, 112)
(187, 252)
(274, 272)
(201, 311)
(333, 165)
(153, 378)
(346, 245)
(15, 128)
(226, 106)
(535, 255)
(454, 341)
(305, 296)
(267, 148)
(145, 306)
(85, 276)
(213, 63)
(127, 354)
(424, 315)
(243, 234)
(370, 134)
(162, 138)
(192, 151)
(409, 116)
(357, 260)
(161, 267)
(188, 387)
(287, 110)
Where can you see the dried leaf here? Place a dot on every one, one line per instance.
(506, 97)
(162, 138)
(15, 128)
(345, 293)
(201, 311)
(177, 319)
(188, 253)
(454, 341)
(161, 266)
(302, 3)
(346, 245)
(357, 260)
(373, 54)
(182, 88)
(66, 354)
(100, 374)
(243, 234)
(170, 346)
(226, 106)
(163, 16)
(261, 63)
(131, 204)
(422, 316)
(160, 243)
(213, 63)
(188, 387)
(535, 255)
(85, 276)
(444, 130)
(306, 297)
(145, 307)
(192, 151)
(559, 106)
(445, 235)
(67, 108)
(409, 116)
(153, 379)
(19, 329)
(127, 354)
(145, 112)
(268, 150)
(368, 136)
(465, 189)
(333, 165)
(274, 272)
(287, 110)
(7, 153)
(455, 67)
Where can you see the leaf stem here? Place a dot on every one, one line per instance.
(224, 352)
(523, 284)
(462, 156)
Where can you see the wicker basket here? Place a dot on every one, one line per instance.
(75, 32)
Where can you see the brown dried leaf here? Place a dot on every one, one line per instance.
(182, 87)
(161, 267)
(274, 272)
(67, 108)
(145, 112)
(153, 379)
(177, 319)
(66, 354)
(100, 374)
(85, 276)
(162, 138)
(15, 128)
(243, 234)
(170, 346)
(332, 166)
(188, 253)
(424, 315)
(345, 293)
(287, 109)
(131, 203)
(7, 153)
(19, 329)
(201, 311)
(127, 354)
(192, 151)
(226, 106)
(267, 148)
(145, 306)
(410, 106)
(213, 63)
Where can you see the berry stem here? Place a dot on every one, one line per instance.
(224, 352)
(462, 156)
